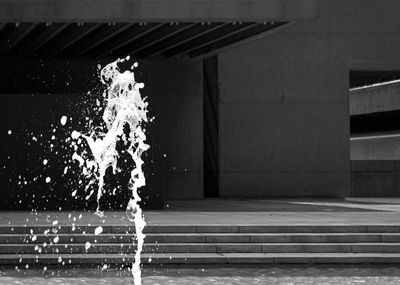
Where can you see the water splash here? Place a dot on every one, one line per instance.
(124, 115)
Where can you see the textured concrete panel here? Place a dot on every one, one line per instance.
(283, 137)
(282, 134)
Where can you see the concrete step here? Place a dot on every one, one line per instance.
(121, 229)
(202, 244)
(204, 238)
(201, 258)
(204, 248)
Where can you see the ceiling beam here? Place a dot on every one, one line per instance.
(255, 33)
(157, 10)
(213, 36)
(165, 32)
(99, 36)
(197, 31)
(2, 25)
(224, 37)
(128, 38)
(78, 32)
(18, 33)
(48, 32)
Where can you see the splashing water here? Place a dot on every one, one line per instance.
(125, 110)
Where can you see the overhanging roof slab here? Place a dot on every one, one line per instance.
(156, 10)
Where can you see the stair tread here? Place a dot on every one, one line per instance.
(202, 234)
(219, 255)
(217, 243)
(328, 229)
(80, 223)
(202, 258)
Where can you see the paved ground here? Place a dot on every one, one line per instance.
(199, 275)
(240, 212)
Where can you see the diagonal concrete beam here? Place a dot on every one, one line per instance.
(156, 10)
(237, 43)
(18, 34)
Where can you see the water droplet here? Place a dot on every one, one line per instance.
(98, 230)
(63, 120)
(75, 135)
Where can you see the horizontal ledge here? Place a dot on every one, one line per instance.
(203, 258)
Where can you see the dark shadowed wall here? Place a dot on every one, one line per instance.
(34, 96)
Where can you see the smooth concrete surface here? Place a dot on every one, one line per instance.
(284, 105)
(205, 258)
(375, 99)
(376, 200)
(174, 91)
(375, 147)
(157, 10)
(237, 248)
(194, 213)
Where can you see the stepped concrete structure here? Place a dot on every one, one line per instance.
(277, 231)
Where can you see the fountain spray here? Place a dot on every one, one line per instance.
(125, 110)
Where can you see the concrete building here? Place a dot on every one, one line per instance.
(251, 98)
(375, 139)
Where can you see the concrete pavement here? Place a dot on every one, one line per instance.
(233, 212)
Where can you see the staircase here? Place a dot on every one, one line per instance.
(191, 244)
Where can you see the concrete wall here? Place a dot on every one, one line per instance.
(284, 106)
(375, 178)
(34, 95)
(381, 147)
(375, 99)
(175, 93)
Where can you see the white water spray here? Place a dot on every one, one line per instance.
(125, 108)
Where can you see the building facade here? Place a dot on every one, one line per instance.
(251, 98)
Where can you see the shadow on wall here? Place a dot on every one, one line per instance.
(35, 94)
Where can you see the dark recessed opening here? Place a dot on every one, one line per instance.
(364, 78)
